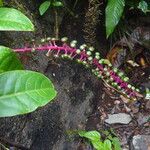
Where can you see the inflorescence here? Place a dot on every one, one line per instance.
(85, 55)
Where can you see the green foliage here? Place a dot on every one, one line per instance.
(51, 3)
(111, 143)
(1, 3)
(143, 6)
(20, 91)
(115, 9)
(91, 135)
(9, 60)
(44, 7)
(113, 12)
(23, 91)
(13, 20)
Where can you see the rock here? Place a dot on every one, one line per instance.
(141, 142)
(142, 118)
(148, 105)
(121, 118)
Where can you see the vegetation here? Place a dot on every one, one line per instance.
(23, 91)
(94, 137)
(20, 91)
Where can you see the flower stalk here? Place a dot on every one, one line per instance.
(102, 68)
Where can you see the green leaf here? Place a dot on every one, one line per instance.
(44, 7)
(116, 143)
(107, 145)
(22, 92)
(9, 60)
(1, 3)
(113, 12)
(57, 4)
(13, 20)
(98, 145)
(143, 6)
(91, 135)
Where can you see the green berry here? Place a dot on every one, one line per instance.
(97, 69)
(118, 87)
(48, 38)
(82, 47)
(33, 50)
(73, 45)
(115, 70)
(107, 74)
(53, 39)
(89, 53)
(84, 62)
(126, 79)
(111, 79)
(79, 61)
(91, 49)
(90, 58)
(43, 40)
(56, 56)
(64, 39)
(105, 69)
(97, 53)
(97, 57)
(120, 74)
(78, 51)
(114, 84)
(107, 80)
(129, 86)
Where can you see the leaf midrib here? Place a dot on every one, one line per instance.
(20, 93)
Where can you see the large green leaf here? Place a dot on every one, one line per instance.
(23, 91)
(113, 12)
(44, 7)
(13, 20)
(9, 60)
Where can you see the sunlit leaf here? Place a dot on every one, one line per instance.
(13, 20)
(57, 4)
(44, 7)
(91, 135)
(98, 145)
(116, 143)
(23, 92)
(9, 60)
(113, 12)
(107, 145)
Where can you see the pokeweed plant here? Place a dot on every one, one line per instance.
(85, 55)
(20, 91)
(109, 143)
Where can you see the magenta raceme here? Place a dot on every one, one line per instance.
(85, 55)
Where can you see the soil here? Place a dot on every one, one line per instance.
(83, 101)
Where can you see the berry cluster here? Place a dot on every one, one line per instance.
(85, 55)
